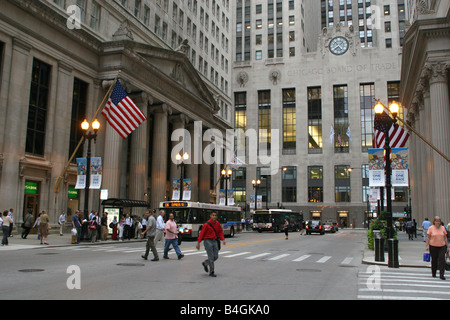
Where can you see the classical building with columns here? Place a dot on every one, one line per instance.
(425, 93)
(57, 61)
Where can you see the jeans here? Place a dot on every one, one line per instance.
(174, 243)
(212, 249)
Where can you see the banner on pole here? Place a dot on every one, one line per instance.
(96, 173)
(81, 173)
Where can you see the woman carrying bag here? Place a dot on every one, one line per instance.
(437, 245)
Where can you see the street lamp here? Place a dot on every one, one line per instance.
(181, 164)
(256, 184)
(226, 175)
(383, 122)
(88, 135)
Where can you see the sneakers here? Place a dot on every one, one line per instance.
(180, 256)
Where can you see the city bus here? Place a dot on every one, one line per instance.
(190, 217)
(273, 220)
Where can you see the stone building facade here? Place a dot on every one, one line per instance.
(57, 60)
(425, 92)
(297, 78)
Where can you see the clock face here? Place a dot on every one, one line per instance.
(339, 45)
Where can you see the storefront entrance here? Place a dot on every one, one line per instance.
(31, 201)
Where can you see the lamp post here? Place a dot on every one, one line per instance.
(226, 175)
(256, 184)
(383, 122)
(88, 135)
(181, 159)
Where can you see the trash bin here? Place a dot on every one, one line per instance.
(379, 247)
(393, 253)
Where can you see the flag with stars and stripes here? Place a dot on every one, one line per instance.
(122, 113)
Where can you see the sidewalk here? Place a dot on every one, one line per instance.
(55, 240)
(410, 252)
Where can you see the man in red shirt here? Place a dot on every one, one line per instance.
(211, 233)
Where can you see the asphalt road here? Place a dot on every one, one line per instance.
(252, 266)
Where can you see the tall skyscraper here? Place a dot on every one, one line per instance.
(306, 76)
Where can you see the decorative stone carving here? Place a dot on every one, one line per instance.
(178, 75)
(242, 78)
(275, 76)
(124, 32)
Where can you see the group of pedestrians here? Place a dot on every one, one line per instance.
(211, 234)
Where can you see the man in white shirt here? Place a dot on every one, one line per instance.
(160, 225)
(127, 227)
(61, 222)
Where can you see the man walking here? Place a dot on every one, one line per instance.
(160, 227)
(211, 233)
(171, 238)
(150, 231)
(425, 225)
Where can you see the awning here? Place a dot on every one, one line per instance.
(125, 203)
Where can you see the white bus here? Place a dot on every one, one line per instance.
(190, 217)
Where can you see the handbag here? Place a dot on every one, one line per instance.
(92, 226)
(426, 257)
(217, 239)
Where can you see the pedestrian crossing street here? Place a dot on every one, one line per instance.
(226, 254)
(382, 283)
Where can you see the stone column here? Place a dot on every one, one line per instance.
(139, 155)
(440, 127)
(195, 158)
(178, 123)
(204, 178)
(159, 154)
(16, 125)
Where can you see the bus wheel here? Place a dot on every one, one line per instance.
(232, 232)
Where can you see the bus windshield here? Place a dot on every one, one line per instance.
(181, 215)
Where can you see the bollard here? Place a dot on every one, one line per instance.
(393, 253)
(379, 249)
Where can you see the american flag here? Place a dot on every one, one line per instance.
(122, 113)
(397, 137)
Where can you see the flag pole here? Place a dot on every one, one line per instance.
(422, 138)
(102, 104)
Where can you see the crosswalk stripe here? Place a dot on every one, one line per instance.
(347, 260)
(258, 256)
(324, 259)
(306, 256)
(237, 254)
(279, 257)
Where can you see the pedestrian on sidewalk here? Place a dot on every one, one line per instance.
(27, 224)
(61, 222)
(7, 221)
(44, 227)
(437, 245)
(150, 232)
(211, 235)
(171, 238)
(113, 226)
(425, 225)
(76, 224)
(410, 230)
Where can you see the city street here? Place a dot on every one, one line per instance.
(252, 266)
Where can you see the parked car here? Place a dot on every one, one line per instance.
(334, 223)
(314, 226)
